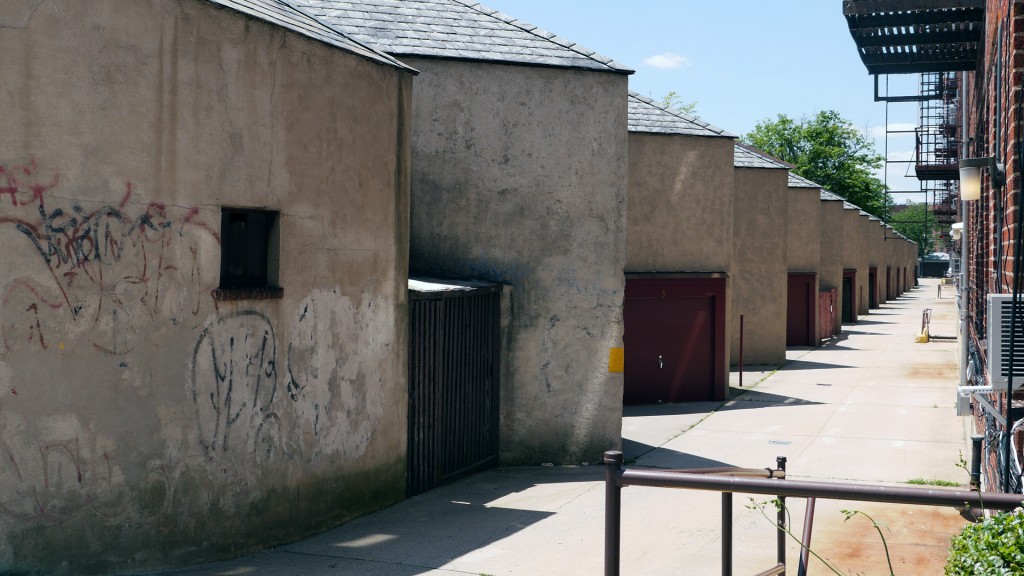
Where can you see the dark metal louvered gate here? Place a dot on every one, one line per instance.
(453, 382)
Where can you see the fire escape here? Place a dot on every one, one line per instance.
(937, 153)
(940, 39)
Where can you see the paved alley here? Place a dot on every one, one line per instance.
(872, 406)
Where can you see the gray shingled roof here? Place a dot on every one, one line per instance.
(279, 13)
(826, 195)
(749, 157)
(455, 29)
(798, 181)
(646, 115)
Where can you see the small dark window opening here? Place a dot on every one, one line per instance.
(249, 245)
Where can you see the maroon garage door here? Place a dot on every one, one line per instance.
(674, 340)
(800, 310)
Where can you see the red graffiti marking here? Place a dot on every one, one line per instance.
(30, 285)
(12, 186)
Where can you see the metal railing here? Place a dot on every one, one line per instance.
(774, 484)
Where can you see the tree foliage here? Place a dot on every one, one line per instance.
(675, 101)
(917, 223)
(828, 150)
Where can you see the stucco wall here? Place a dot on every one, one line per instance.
(855, 255)
(680, 205)
(832, 241)
(142, 423)
(803, 251)
(759, 269)
(520, 178)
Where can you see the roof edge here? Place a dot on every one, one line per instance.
(612, 65)
(720, 132)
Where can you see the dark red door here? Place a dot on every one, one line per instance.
(800, 310)
(849, 296)
(674, 340)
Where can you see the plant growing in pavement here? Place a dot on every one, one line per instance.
(851, 513)
(759, 506)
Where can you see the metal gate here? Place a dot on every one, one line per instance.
(454, 330)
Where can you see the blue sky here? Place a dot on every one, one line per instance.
(742, 61)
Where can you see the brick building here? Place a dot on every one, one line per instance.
(978, 56)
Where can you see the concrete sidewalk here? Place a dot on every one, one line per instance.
(872, 406)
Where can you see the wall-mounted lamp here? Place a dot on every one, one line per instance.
(970, 176)
(956, 231)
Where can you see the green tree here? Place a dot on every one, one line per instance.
(675, 101)
(917, 223)
(829, 150)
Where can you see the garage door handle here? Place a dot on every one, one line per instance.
(660, 363)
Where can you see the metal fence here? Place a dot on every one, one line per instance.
(453, 385)
(775, 484)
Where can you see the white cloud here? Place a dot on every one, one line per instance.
(667, 60)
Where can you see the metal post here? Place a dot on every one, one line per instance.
(741, 351)
(612, 512)
(726, 533)
(781, 465)
(976, 440)
(805, 541)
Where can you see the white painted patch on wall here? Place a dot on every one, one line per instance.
(333, 362)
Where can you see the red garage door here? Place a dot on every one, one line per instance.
(800, 310)
(674, 340)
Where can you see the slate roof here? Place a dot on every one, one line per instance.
(454, 29)
(798, 181)
(826, 195)
(279, 13)
(647, 115)
(750, 157)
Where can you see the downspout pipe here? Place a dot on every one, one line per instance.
(965, 233)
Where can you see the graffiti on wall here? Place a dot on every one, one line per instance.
(234, 382)
(105, 269)
(38, 468)
(329, 403)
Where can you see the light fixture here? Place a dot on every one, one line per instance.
(956, 231)
(970, 176)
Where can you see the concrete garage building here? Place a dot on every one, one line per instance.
(679, 253)
(855, 262)
(203, 208)
(519, 178)
(804, 259)
(760, 257)
(831, 214)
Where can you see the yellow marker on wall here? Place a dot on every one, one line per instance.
(616, 360)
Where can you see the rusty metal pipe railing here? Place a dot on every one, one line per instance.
(828, 490)
(773, 571)
(780, 536)
(805, 540)
(726, 533)
(612, 512)
(617, 477)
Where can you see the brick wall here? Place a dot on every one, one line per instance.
(992, 99)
